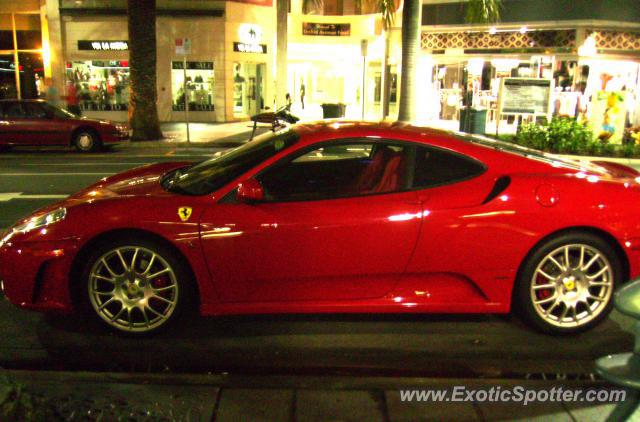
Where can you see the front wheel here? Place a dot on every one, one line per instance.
(136, 287)
(566, 284)
(87, 141)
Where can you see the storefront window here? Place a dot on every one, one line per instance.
(393, 89)
(7, 77)
(102, 85)
(31, 75)
(200, 86)
(26, 28)
(248, 88)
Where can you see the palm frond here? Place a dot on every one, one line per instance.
(483, 11)
(308, 5)
(387, 8)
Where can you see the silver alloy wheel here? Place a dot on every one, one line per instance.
(85, 141)
(572, 285)
(133, 289)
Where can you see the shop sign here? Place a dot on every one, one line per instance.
(250, 33)
(240, 47)
(326, 29)
(103, 45)
(525, 96)
(192, 65)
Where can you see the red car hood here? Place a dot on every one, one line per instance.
(141, 181)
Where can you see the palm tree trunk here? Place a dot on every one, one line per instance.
(282, 9)
(386, 75)
(143, 110)
(411, 22)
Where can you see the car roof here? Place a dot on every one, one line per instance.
(346, 128)
(30, 100)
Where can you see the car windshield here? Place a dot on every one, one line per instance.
(210, 175)
(57, 111)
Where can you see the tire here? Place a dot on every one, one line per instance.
(87, 140)
(140, 302)
(559, 299)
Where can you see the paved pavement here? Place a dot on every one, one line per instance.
(116, 396)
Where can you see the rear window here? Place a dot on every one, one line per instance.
(435, 167)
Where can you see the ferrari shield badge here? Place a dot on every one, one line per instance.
(185, 213)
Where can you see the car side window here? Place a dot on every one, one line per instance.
(12, 110)
(338, 171)
(435, 167)
(34, 111)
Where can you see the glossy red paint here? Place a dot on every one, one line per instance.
(442, 249)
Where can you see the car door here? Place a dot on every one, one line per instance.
(466, 232)
(337, 224)
(44, 128)
(12, 123)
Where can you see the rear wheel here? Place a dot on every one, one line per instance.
(86, 140)
(136, 287)
(566, 284)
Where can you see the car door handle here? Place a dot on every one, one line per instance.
(4, 122)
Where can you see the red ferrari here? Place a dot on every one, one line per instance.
(337, 217)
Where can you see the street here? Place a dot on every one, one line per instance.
(480, 345)
(45, 175)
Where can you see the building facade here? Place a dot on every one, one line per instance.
(588, 49)
(223, 54)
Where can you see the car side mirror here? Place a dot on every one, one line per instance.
(250, 191)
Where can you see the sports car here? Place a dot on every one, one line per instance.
(337, 217)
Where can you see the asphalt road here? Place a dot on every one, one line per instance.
(481, 345)
(30, 179)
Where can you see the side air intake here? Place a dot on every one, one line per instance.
(501, 184)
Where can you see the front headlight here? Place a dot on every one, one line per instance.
(42, 220)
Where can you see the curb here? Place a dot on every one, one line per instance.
(278, 381)
(230, 141)
(168, 144)
(627, 161)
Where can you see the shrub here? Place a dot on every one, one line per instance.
(562, 135)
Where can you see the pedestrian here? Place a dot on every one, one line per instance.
(302, 94)
(288, 101)
(51, 93)
(72, 99)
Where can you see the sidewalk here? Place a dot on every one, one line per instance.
(111, 396)
(221, 135)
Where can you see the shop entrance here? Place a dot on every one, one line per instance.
(248, 88)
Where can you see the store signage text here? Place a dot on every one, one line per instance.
(326, 29)
(103, 45)
(193, 65)
(240, 47)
